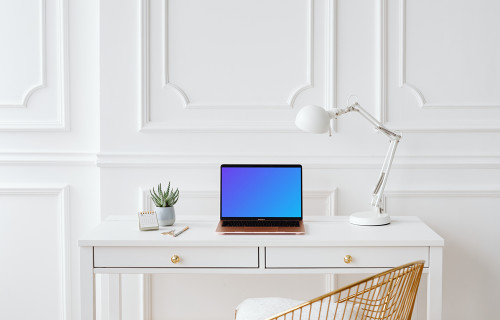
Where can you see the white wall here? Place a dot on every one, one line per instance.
(185, 85)
(49, 137)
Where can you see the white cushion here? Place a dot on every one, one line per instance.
(263, 308)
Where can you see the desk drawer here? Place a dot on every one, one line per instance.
(189, 257)
(333, 257)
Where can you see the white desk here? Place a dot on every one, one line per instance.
(117, 246)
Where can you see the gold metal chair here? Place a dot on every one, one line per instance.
(389, 295)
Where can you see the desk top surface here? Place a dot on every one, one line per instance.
(320, 231)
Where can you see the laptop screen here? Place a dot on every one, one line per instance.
(261, 191)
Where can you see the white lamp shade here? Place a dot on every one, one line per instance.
(313, 119)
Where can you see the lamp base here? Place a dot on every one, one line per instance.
(369, 218)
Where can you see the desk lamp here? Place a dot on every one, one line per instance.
(316, 119)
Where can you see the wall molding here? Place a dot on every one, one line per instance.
(289, 102)
(331, 279)
(382, 83)
(331, 195)
(451, 129)
(43, 62)
(145, 202)
(440, 193)
(62, 123)
(47, 159)
(147, 125)
(149, 160)
(331, 87)
(381, 68)
(443, 193)
(422, 101)
(62, 192)
(216, 126)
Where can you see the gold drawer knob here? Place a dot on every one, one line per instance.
(347, 259)
(175, 259)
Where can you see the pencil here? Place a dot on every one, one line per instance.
(179, 232)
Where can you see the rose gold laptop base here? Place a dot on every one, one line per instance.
(260, 230)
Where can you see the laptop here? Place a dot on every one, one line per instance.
(258, 198)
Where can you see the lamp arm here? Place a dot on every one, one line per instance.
(384, 175)
(377, 124)
(386, 167)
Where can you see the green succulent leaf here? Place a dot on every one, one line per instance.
(167, 198)
(155, 197)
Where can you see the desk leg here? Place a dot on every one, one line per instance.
(435, 284)
(87, 283)
(114, 298)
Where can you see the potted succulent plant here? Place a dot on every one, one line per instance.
(165, 201)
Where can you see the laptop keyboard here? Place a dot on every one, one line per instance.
(253, 223)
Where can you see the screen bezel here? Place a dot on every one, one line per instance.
(261, 166)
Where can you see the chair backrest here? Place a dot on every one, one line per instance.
(389, 295)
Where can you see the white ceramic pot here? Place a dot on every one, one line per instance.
(166, 216)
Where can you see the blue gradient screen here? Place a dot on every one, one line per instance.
(263, 192)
